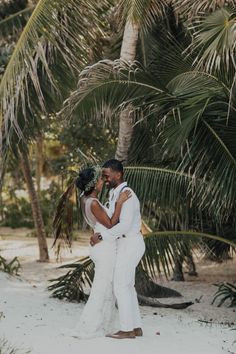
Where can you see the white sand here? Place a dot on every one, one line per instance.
(32, 320)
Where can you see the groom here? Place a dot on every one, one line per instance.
(130, 249)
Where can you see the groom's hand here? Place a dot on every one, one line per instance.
(95, 239)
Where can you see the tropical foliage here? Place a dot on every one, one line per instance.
(181, 90)
(7, 348)
(11, 267)
(187, 102)
(225, 292)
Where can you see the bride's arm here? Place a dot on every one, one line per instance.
(102, 216)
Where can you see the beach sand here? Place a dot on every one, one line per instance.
(31, 320)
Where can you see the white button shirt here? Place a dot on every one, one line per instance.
(130, 217)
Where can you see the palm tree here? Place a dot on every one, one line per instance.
(188, 105)
(183, 110)
(49, 48)
(36, 211)
(138, 17)
(45, 61)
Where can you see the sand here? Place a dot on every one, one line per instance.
(33, 321)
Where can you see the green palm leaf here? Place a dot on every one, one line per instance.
(53, 47)
(188, 105)
(160, 186)
(164, 247)
(143, 13)
(71, 286)
(107, 87)
(215, 39)
(226, 291)
(192, 9)
(202, 129)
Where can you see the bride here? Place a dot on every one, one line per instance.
(99, 312)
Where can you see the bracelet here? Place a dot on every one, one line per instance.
(100, 237)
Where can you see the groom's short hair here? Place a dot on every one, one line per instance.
(114, 165)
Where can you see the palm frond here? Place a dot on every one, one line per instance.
(200, 129)
(159, 186)
(163, 247)
(214, 38)
(53, 47)
(192, 9)
(227, 292)
(107, 87)
(187, 107)
(143, 13)
(72, 285)
(11, 267)
(63, 218)
(7, 348)
(15, 21)
(171, 192)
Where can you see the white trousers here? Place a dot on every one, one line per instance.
(129, 252)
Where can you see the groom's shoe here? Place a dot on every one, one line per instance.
(138, 332)
(122, 335)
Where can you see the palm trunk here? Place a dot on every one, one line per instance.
(37, 215)
(128, 53)
(145, 287)
(39, 162)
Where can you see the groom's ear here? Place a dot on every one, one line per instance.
(119, 175)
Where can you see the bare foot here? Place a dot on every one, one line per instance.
(122, 335)
(138, 332)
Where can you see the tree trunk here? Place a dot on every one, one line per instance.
(147, 288)
(149, 301)
(1, 204)
(37, 215)
(178, 274)
(128, 53)
(39, 162)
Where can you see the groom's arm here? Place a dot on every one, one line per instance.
(125, 221)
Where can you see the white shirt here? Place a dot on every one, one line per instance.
(130, 217)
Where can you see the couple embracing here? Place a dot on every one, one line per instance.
(116, 248)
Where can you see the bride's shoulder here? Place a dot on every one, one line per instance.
(92, 202)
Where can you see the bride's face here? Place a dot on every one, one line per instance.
(99, 184)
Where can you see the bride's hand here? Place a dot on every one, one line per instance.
(124, 196)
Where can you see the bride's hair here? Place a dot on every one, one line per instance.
(85, 176)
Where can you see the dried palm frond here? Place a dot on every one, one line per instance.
(63, 219)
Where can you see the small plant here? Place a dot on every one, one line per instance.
(11, 267)
(6, 348)
(226, 291)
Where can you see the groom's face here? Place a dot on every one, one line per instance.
(111, 178)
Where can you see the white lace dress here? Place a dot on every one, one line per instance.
(98, 316)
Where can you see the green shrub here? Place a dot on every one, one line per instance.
(18, 214)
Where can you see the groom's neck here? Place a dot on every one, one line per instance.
(119, 182)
